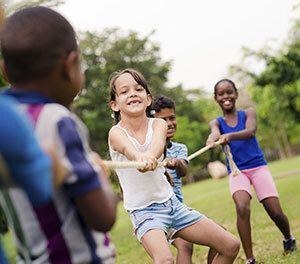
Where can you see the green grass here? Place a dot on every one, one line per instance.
(212, 198)
(281, 167)
(9, 248)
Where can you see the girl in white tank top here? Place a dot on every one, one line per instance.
(154, 186)
(155, 212)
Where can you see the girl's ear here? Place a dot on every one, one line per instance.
(114, 106)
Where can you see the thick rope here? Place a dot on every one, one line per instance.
(129, 164)
(199, 152)
(234, 169)
(108, 164)
(141, 164)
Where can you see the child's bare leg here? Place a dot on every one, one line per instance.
(273, 208)
(212, 252)
(242, 205)
(208, 233)
(156, 245)
(184, 251)
(211, 255)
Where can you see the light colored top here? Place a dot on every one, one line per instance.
(178, 151)
(141, 189)
(21, 155)
(55, 232)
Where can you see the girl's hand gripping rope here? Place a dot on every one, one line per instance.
(224, 139)
(150, 162)
(128, 164)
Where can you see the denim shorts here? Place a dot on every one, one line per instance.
(170, 216)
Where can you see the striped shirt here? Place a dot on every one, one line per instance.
(55, 232)
(178, 151)
(22, 162)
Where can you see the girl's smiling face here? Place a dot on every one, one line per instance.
(226, 96)
(131, 97)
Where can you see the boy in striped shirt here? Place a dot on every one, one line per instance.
(42, 64)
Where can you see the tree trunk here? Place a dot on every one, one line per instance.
(285, 141)
(279, 148)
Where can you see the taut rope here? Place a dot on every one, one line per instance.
(140, 164)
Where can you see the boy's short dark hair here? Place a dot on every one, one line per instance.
(162, 102)
(32, 41)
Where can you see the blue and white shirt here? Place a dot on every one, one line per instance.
(22, 161)
(55, 233)
(179, 151)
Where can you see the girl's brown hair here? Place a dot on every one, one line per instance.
(138, 77)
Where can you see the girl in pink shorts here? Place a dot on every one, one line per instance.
(237, 128)
(261, 179)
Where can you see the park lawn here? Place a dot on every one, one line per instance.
(212, 198)
(279, 168)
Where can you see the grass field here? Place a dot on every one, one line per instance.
(212, 198)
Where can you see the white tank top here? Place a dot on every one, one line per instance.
(141, 189)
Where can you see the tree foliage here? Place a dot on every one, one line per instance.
(107, 52)
(12, 7)
(276, 92)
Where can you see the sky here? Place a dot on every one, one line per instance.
(201, 38)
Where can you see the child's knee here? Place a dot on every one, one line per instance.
(164, 259)
(188, 247)
(185, 247)
(243, 210)
(233, 247)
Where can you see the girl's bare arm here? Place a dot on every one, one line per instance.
(215, 132)
(159, 138)
(120, 142)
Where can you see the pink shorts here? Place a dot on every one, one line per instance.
(259, 177)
